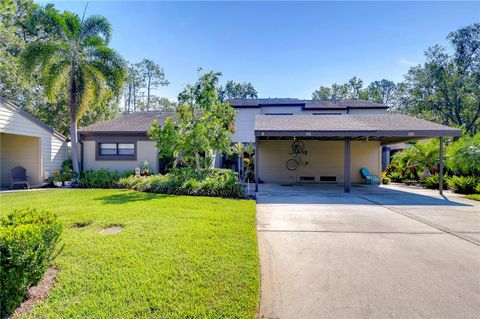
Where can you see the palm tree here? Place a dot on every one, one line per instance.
(427, 156)
(76, 63)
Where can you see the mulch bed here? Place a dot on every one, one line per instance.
(37, 293)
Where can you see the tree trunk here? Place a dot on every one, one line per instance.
(239, 168)
(73, 121)
(148, 94)
(197, 161)
(129, 97)
(134, 98)
(74, 141)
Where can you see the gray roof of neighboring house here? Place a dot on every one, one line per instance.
(32, 118)
(305, 104)
(350, 125)
(138, 122)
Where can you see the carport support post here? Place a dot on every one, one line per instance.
(440, 168)
(346, 174)
(257, 153)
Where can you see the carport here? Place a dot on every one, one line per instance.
(376, 129)
(27, 142)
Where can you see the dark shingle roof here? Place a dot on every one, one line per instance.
(138, 122)
(306, 104)
(376, 124)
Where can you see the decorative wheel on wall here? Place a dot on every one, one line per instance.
(298, 147)
(292, 164)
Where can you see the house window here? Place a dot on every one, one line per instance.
(278, 113)
(108, 149)
(125, 149)
(116, 151)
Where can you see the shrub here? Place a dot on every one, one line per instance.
(433, 181)
(28, 239)
(395, 177)
(416, 158)
(214, 182)
(101, 178)
(463, 184)
(477, 188)
(386, 180)
(463, 156)
(67, 165)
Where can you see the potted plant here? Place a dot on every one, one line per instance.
(68, 177)
(57, 177)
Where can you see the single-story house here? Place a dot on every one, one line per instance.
(121, 143)
(26, 141)
(296, 140)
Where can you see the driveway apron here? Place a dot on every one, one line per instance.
(378, 252)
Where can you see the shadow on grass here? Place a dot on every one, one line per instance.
(129, 197)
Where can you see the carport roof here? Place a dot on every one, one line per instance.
(387, 128)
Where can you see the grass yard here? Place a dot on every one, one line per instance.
(474, 197)
(176, 257)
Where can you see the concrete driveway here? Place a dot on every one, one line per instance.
(378, 252)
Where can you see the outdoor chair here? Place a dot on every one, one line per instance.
(370, 179)
(19, 177)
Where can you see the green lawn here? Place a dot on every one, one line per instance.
(177, 257)
(474, 197)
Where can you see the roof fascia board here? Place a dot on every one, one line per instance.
(386, 133)
(104, 133)
(306, 108)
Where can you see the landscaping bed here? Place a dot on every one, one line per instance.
(418, 164)
(175, 256)
(212, 182)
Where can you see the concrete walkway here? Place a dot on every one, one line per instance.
(378, 252)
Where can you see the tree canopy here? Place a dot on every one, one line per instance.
(383, 91)
(235, 90)
(446, 88)
(76, 64)
(143, 78)
(203, 126)
(24, 23)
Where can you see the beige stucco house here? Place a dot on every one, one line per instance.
(25, 141)
(337, 139)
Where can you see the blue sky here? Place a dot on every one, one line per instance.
(286, 49)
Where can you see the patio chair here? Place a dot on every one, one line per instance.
(370, 179)
(19, 177)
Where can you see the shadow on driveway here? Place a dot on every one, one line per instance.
(360, 195)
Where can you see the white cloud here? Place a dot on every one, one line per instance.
(405, 61)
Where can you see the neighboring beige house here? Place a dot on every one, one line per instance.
(337, 139)
(122, 143)
(26, 141)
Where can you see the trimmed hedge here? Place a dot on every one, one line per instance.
(28, 238)
(214, 182)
